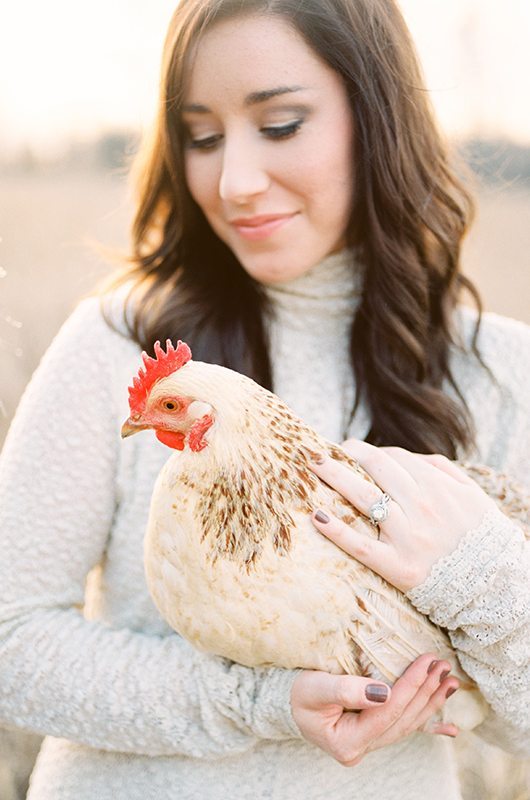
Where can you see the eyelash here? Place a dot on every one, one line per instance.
(275, 132)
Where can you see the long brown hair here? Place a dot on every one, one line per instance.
(409, 215)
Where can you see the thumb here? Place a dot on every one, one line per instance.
(348, 691)
(353, 692)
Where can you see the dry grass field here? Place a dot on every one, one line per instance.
(47, 264)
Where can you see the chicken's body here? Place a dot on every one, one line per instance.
(233, 560)
(236, 565)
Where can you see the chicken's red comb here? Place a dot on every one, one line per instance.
(162, 365)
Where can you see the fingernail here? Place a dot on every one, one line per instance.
(443, 675)
(317, 458)
(450, 691)
(320, 516)
(376, 693)
(432, 665)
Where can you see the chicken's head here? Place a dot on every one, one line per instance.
(158, 399)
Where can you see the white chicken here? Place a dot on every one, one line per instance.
(233, 561)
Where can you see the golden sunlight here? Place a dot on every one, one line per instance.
(74, 70)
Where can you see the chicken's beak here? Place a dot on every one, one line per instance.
(131, 426)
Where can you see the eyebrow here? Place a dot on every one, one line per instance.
(252, 99)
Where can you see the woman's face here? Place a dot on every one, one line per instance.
(269, 150)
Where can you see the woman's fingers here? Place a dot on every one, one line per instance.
(375, 554)
(359, 492)
(377, 461)
(428, 700)
(377, 727)
(321, 706)
(443, 729)
(389, 474)
(427, 721)
(404, 691)
(445, 465)
(351, 692)
(420, 467)
(429, 510)
(348, 483)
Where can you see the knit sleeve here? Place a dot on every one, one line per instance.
(60, 674)
(481, 594)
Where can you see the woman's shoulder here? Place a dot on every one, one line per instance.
(99, 319)
(91, 345)
(495, 330)
(497, 397)
(503, 343)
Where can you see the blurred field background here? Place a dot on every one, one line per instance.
(63, 190)
(54, 220)
(50, 222)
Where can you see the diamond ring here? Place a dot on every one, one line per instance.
(379, 511)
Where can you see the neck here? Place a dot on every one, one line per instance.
(330, 290)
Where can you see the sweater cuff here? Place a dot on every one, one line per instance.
(456, 579)
(274, 716)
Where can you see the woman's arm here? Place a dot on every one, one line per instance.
(481, 594)
(123, 690)
(459, 560)
(59, 673)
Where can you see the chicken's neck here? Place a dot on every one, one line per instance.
(255, 475)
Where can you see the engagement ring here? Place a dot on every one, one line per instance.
(379, 511)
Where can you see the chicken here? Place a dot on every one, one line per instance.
(233, 561)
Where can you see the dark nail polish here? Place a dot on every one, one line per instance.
(321, 517)
(450, 691)
(432, 665)
(376, 693)
(443, 675)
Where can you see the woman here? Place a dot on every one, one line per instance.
(295, 208)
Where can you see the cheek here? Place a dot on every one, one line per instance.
(327, 188)
(333, 169)
(326, 179)
(201, 178)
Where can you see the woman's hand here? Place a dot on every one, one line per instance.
(433, 504)
(334, 712)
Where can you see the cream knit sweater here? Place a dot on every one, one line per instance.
(133, 712)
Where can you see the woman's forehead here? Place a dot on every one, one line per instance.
(238, 59)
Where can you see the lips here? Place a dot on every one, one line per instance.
(262, 226)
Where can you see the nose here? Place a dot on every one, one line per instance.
(243, 173)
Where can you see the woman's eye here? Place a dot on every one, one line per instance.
(270, 131)
(282, 131)
(208, 143)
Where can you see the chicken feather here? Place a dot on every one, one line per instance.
(233, 561)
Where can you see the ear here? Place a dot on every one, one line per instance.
(196, 438)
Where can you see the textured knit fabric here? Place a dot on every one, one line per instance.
(130, 709)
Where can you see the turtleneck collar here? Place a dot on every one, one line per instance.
(309, 333)
(328, 292)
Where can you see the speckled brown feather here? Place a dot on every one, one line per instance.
(235, 564)
(511, 496)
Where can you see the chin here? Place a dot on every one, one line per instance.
(275, 269)
(281, 275)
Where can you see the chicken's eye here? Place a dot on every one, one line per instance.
(170, 405)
